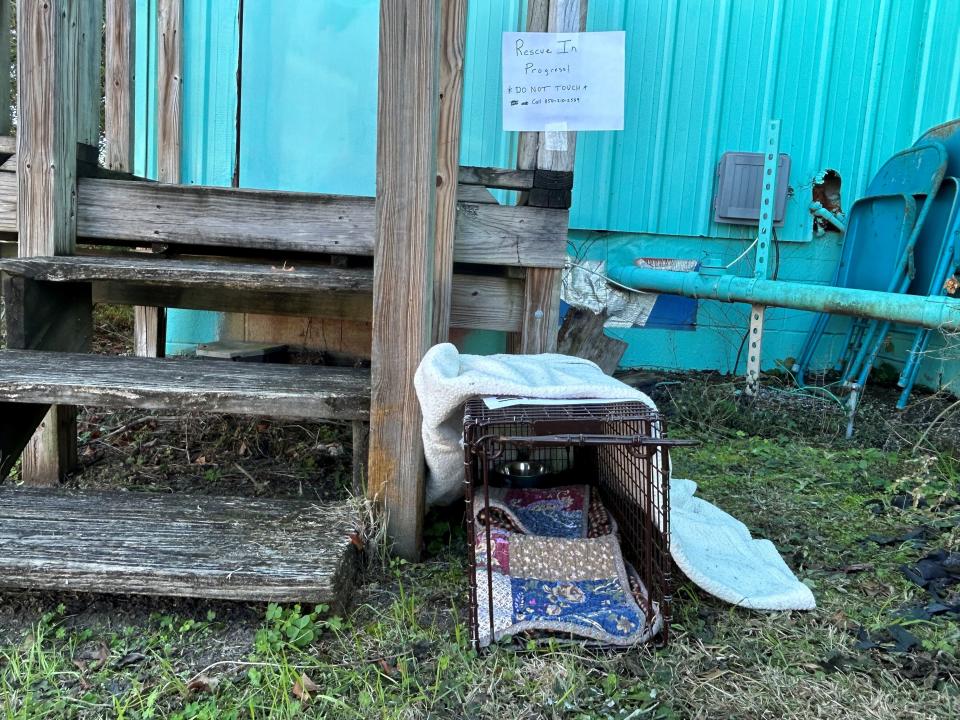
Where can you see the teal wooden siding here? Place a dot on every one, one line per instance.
(852, 80)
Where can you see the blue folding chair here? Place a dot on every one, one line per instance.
(947, 133)
(913, 179)
(934, 268)
(881, 231)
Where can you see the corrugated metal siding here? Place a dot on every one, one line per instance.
(853, 81)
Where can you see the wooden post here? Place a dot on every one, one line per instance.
(552, 182)
(89, 91)
(149, 323)
(452, 44)
(403, 259)
(5, 114)
(51, 36)
(169, 88)
(119, 84)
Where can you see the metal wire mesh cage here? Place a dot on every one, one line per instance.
(618, 450)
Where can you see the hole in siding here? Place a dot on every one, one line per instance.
(826, 191)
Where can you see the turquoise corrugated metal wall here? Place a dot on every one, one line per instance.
(852, 80)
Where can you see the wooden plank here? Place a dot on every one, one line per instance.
(361, 455)
(47, 80)
(200, 273)
(541, 316)
(499, 178)
(90, 90)
(564, 16)
(541, 311)
(475, 194)
(280, 550)
(169, 89)
(8, 202)
(49, 120)
(291, 391)
(452, 44)
(478, 302)
(119, 83)
(114, 211)
(581, 335)
(538, 12)
(403, 260)
(150, 331)
(149, 326)
(6, 119)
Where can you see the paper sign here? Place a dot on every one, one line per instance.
(556, 82)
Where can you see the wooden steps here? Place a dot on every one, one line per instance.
(182, 545)
(482, 302)
(208, 274)
(291, 391)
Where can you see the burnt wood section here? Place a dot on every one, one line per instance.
(298, 392)
(214, 547)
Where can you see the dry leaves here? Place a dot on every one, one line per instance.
(304, 688)
(202, 684)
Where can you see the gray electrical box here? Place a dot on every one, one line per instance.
(739, 184)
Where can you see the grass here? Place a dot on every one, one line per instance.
(403, 653)
(780, 464)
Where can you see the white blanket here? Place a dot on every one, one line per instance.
(712, 548)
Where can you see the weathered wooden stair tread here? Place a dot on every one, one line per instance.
(169, 272)
(291, 391)
(184, 545)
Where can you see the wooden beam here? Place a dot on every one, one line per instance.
(452, 45)
(300, 392)
(538, 12)
(582, 336)
(169, 89)
(478, 302)
(89, 89)
(266, 549)
(403, 259)
(6, 120)
(119, 84)
(149, 321)
(541, 316)
(499, 178)
(48, 77)
(116, 211)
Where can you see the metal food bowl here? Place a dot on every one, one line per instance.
(524, 474)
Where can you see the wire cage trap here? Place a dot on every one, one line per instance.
(568, 506)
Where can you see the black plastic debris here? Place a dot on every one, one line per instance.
(934, 573)
(916, 538)
(893, 638)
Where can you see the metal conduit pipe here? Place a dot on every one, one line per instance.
(928, 312)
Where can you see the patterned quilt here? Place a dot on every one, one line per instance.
(576, 587)
(553, 512)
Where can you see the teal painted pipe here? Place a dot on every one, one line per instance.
(929, 312)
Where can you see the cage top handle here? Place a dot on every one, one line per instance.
(586, 439)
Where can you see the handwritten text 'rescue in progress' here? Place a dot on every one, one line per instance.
(568, 80)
